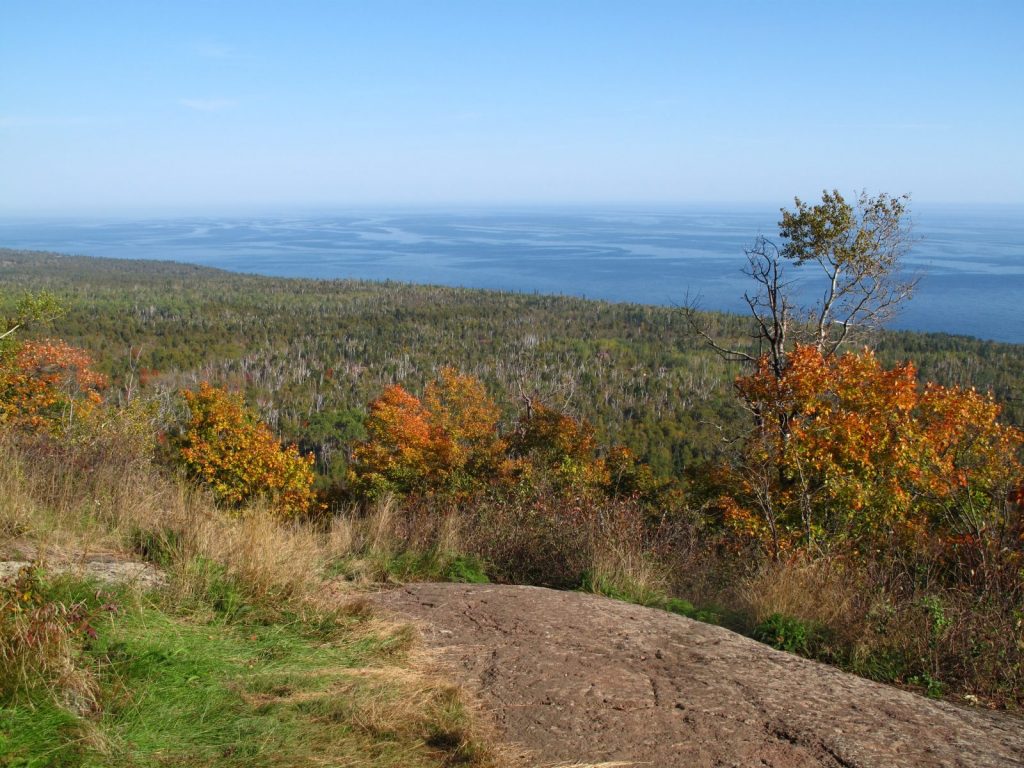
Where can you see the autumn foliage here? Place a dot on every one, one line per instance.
(846, 451)
(462, 413)
(238, 457)
(448, 441)
(562, 444)
(451, 442)
(46, 383)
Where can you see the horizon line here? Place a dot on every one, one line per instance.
(452, 207)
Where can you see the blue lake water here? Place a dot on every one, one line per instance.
(971, 262)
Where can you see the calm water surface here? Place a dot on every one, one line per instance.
(971, 261)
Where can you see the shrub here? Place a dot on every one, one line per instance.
(843, 451)
(447, 442)
(450, 444)
(44, 384)
(555, 441)
(237, 456)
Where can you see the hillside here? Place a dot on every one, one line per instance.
(312, 354)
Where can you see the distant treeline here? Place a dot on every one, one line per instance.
(310, 354)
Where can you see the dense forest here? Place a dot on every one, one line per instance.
(310, 355)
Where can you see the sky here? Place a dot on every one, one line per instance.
(201, 107)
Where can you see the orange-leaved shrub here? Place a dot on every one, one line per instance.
(551, 440)
(846, 451)
(465, 415)
(46, 384)
(449, 441)
(226, 446)
(555, 448)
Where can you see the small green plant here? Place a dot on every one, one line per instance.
(708, 615)
(937, 614)
(466, 569)
(786, 633)
(680, 606)
(933, 688)
(938, 623)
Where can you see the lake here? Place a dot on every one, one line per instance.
(971, 261)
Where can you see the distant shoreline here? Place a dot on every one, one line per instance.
(971, 261)
(6, 252)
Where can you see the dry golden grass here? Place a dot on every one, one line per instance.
(275, 561)
(54, 499)
(365, 540)
(821, 591)
(385, 542)
(625, 569)
(68, 500)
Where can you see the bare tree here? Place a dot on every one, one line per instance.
(857, 249)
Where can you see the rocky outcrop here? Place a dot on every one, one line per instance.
(574, 678)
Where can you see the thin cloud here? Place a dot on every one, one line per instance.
(208, 105)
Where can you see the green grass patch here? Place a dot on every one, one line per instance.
(787, 633)
(466, 569)
(434, 565)
(40, 733)
(414, 565)
(208, 688)
(629, 592)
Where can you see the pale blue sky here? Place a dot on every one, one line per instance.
(216, 106)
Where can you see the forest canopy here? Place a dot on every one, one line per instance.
(311, 355)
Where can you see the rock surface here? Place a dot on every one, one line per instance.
(570, 678)
(105, 568)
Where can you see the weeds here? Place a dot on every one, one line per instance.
(41, 636)
(883, 623)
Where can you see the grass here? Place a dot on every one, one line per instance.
(244, 658)
(411, 565)
(631, 592)
(383, 543)
(223, 688)
(42, 735)
(433, 565)
(209, 694)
